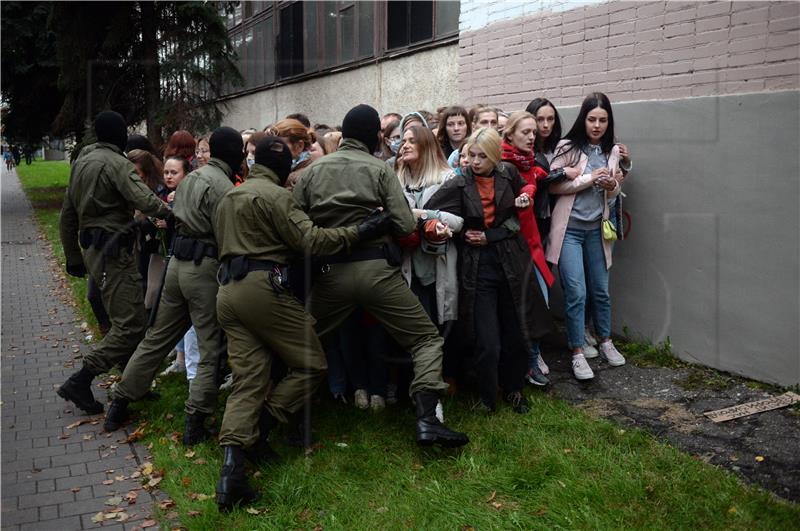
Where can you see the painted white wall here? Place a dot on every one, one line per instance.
(477, 14)
(425, 80)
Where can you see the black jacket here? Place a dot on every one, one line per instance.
(460, 196)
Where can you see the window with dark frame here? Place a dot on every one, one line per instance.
(281, 40)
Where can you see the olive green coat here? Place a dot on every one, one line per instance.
(197, 198)
(342, 188)
(261, 318)
(188, 298)
(104, 189)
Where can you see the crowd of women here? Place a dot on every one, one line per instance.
(501, 200)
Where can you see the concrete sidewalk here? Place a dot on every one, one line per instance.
(53, 472)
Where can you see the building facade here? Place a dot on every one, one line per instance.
(706, 95)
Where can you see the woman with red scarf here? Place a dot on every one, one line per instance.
(519, 137)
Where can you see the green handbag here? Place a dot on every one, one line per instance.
(609, 230)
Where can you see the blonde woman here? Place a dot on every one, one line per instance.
(499, 309)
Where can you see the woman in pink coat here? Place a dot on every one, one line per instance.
(577, 244)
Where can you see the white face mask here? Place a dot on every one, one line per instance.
(250, 163)
(394, 145)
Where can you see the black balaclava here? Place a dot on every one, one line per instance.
(226, 145)
(136, 141)
(275, 155)
(110, 127)
(362, 123)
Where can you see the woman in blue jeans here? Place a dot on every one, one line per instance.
(577, 244)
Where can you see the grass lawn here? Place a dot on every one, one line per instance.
(554, 468)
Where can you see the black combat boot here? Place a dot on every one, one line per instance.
(195, 431)
(78, 390)
(261, 452)
(429, 430)
(232, 488)
(117, 414)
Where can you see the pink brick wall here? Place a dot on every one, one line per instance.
(633, 51)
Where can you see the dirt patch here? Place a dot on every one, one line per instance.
(670, 402)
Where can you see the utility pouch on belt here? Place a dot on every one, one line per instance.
(190, 249)
(393, 253)
(237, 267)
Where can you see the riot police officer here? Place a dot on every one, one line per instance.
(97, 216)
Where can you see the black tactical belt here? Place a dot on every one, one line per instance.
(186, 248)
(238, 267)
(110, 243)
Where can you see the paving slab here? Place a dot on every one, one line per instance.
(49, 465)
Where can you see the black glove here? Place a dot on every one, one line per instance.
(375, 224)
(76, 270)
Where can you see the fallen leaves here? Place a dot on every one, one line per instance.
(186, 481)
(114, 500)
(137, 434)
(81, 422)
(198, 496)
(253, 510)
(166, 504)
(131, 497)
(189, 454)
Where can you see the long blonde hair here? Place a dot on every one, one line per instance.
(431, 164)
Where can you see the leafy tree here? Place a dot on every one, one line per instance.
(165, 63)
(28, 69)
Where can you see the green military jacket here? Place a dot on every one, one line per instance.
(261, 220)
(342, 188)
(197, 198)
(104, 189)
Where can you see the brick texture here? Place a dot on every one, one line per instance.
(632, 51)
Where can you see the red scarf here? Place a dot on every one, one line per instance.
(524, 162)
(526, 165)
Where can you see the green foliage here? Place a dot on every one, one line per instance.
(29, 70)
(645, 354)
(119, 46)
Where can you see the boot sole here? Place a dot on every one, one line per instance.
(94, 409)
(226, 502)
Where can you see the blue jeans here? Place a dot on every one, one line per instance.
(582, 260)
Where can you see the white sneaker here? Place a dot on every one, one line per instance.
(580, 367)
(542, 365)
(174, 368)
(376, 402)
(361, 399)
(589, 338)
(589, 351)
(611, 354)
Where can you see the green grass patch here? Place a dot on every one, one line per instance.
(554, 468)
(44, 174)
(644, 353)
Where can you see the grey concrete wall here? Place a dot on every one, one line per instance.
(425, 80)
(712, 257)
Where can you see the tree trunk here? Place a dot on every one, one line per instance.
(152, 89)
